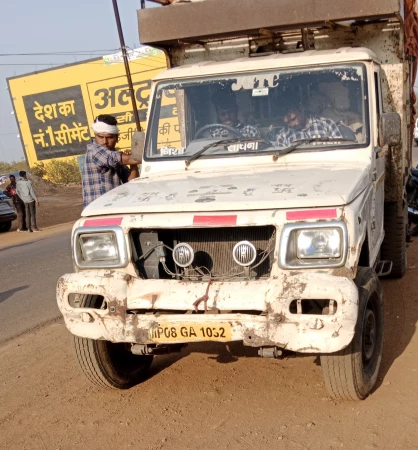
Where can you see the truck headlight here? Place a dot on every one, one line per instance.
(311, 245)
(318, 243)
(99, 247)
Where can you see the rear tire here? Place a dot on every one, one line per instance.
(394, 244)
(107, 364)
(5, 226)
(351, 373)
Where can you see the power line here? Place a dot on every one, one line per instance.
(32, 64)
(68, 53)
(72, 63)
(136, 61)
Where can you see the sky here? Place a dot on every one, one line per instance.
(47, 26)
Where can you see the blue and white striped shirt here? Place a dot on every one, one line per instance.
(103, 170)
(316, 127)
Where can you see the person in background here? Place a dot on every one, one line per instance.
(25, 191)
(226, 107)
(104, 166)
(10, 191)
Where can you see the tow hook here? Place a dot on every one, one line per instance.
(141, 349)
(270, 352)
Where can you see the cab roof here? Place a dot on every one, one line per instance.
(279, 60)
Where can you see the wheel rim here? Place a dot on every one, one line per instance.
(369, 335)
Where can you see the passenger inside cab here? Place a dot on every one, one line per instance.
(229, 125)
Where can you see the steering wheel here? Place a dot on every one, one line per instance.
(230, 130)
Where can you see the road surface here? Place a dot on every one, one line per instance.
(29, 271)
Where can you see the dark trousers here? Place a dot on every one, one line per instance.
(31, 215)
(21, 215)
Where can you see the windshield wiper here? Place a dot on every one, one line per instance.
(300, 142)
(223, 142)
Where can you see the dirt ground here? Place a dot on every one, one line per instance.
(207, 398)
(57, 204)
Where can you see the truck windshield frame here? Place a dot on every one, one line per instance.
(188, 114)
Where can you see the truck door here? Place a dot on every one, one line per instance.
(376, 225)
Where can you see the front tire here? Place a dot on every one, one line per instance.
(351, 373)
(106, 364)
(394, 244)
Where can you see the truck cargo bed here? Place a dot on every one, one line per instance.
(207, 20)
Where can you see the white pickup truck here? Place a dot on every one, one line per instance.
(271, 194)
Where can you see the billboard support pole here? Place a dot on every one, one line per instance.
(126, 62)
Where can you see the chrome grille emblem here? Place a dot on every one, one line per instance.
(244, 253)
(183, 254)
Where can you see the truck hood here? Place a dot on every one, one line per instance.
(259, 188)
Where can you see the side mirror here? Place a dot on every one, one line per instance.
(137, 147)
(389, 129)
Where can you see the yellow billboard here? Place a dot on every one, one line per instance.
(54, 108)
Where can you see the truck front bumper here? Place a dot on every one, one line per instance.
(255, 312)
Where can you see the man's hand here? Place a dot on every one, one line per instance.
(37, 203)
(127, 159)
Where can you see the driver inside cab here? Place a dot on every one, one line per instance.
(228, 125)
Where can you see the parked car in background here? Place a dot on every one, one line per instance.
(7, 212)
(5, 177)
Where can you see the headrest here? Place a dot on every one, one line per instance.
(337, 94)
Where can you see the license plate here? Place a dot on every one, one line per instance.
(206, 331)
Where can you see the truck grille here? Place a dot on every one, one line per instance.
(212, 247)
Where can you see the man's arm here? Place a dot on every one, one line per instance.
(333, 130)
(32, 193)
(282, 139)
(134, 172)
(110, 159)
(7, 191)
(128, 160)
(249, 131)
(18, 191)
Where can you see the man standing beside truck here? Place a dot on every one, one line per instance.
(105, 167)
(18, 203)
(25, 191)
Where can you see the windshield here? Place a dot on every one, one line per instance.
(261, 112)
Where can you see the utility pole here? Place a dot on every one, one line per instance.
(126, 62)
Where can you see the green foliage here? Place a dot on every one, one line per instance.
(56, 171)
(14, 166)
(62, 172)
